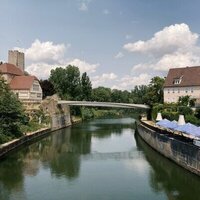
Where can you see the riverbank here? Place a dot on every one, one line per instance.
(11, 145)
(177, 148)
(7, 147)
(93, 113)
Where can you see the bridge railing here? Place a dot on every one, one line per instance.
(103, 104)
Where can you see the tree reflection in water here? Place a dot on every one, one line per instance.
(60, 152)
(176, 182)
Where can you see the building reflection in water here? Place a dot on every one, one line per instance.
(176, 182)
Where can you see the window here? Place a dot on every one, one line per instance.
(168, 91)
(39, 95)
(178, 90)
(177, 80)
(35, 87)
(23, 94)
(191, 90)
(33, 94)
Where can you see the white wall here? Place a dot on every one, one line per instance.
(34, 94)
(172, 94)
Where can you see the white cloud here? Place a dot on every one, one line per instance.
(119, 55)
(41, 57)
(103, 80)
(167, 61)
(138, 167)
(128, 82)
(44, 51)
(168, 40)
(128, 37)
(41, 70)
(106, 12)
(177, 59)
(83, 66)
(83, 5)
(173, 46)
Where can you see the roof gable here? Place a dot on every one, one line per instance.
(8, 68)
(188, 76)
(22, 82)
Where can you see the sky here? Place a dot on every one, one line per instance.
(119, 43)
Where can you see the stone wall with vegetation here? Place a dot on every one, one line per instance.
(58, 114)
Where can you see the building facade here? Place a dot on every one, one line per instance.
(182, 82)
(26, 87)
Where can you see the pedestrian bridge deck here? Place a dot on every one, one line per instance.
(103, 104)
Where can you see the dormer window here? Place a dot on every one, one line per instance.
(177, 80)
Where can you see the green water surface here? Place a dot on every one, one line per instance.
(100, 159)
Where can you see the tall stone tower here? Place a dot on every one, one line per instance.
(16, 58)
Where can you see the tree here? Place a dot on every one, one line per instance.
(116, 96)
(66, 82)
(11, 113)
(125, 97)
(138, 94)
(155, 91)
(86, 87)
(47, 88)
(119, 96)
(184, 100)
(101, 94)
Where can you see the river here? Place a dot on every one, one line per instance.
(100, 159)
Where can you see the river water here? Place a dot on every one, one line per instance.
(100, 159)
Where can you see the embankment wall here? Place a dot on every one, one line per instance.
(184, 154)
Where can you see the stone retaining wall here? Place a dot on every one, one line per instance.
(9, 146)
(184, 154)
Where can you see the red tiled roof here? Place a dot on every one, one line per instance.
(8, 68)
(190, 77)
(22, 82)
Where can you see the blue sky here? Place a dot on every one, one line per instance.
(119, 43)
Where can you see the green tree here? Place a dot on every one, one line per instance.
(116, 96)
(155, 91)
(184, 100)
(47, 88)
(125, 96)
(11, 113)
(101, 94)
(138, 94)
(66, 82)
(86, 87)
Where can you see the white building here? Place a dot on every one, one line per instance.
(182, 82)
(26, 87)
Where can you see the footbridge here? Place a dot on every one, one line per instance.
(103, 104)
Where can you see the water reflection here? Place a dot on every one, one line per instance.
(94, 153)
(176, 182)
(60, 152)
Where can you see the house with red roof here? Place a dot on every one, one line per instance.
(182, 82)
(26, 87)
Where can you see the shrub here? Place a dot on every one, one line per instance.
(157, 108)
(87, 113)
(197, 113)
(170, 115)
(184, 110)
(192, 119)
